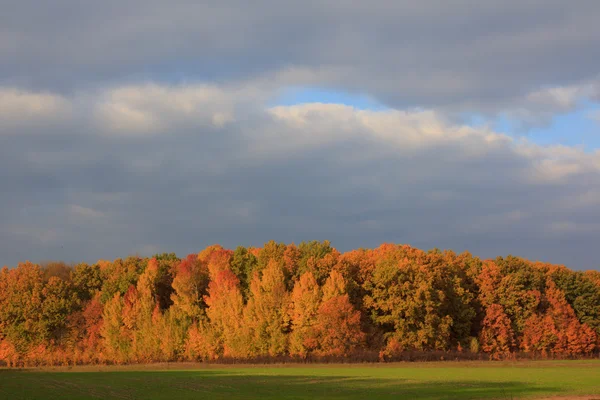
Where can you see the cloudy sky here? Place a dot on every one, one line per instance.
(136, 126)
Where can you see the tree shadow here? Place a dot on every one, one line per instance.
(200, 384)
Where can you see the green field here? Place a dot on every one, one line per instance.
(465, 380)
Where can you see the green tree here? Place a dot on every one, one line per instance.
(119, 275)
(21, 306)
(167, 266)
(87, 281)
(243, 264)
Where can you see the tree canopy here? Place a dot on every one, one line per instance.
(304, 302)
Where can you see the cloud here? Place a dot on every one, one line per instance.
(152, 108)
(539, 107)
(19, 108)
(479, 57)
(85, 190)
(134, 125)
(84, 212)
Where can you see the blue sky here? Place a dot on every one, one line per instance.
(577, 128)
(300, 95)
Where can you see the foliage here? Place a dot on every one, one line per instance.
(307, 301)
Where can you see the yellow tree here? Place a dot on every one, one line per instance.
(115, 341)
(146, 337)
(305, 302)
(220, 335)
(265, 315)
(22, 306)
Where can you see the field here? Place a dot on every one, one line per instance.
(447, 380)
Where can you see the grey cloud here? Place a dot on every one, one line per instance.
(466, 55)
(357, 178)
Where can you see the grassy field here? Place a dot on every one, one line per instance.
(465, 380)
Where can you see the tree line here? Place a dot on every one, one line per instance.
(303, 302)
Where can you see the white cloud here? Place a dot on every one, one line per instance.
(409, 131)
(291, 173)
(22, 108)
(152, 108)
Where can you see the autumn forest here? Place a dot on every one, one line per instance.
(304, 302)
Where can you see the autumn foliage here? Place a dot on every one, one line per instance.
(305, 302)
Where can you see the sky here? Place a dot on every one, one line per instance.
(139, 127)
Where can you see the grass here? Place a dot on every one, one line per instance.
(447, 380)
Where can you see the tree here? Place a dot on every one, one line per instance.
(172, 331)
(497, 337)
(334, 286)
(58, 269)
(582, 294)
(167, 265)
(338, 328)
(189, 287)
(8, 353)
(419, 300)
(318, 258)
(91, 334)
(265, 315)
(220, 336)
(216, 258)
(304, 307)
(59, 301)
(540, 335)
(86, 280)
(271, 251)
(146, 315)
(21, 302)
(593, 276)
(116, 342)
(291, 262)
(119, 275)
(520, 289)
(305, 301)
(243, 264)
(572, 337)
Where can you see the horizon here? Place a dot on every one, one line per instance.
(74, 263)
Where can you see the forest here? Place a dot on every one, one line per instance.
(305, 302)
